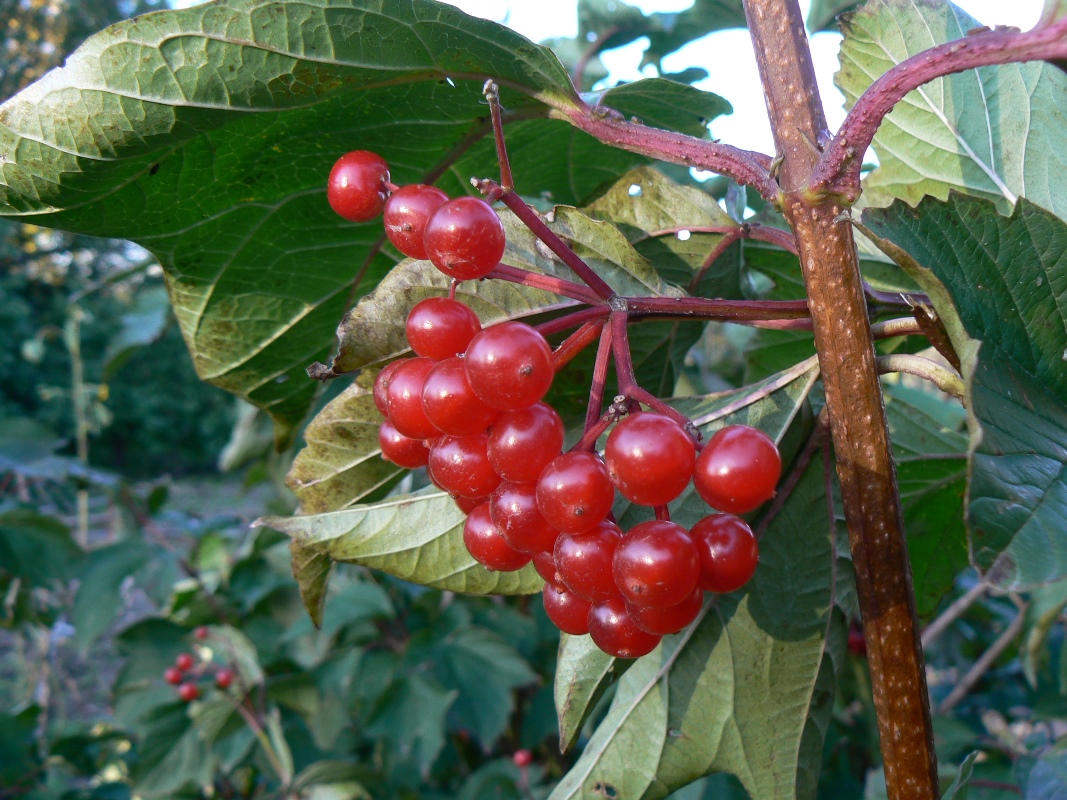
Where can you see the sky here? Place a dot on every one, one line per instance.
(747, 126)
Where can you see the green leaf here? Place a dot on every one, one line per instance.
(416, 537)
(662, 103)
(996, 132)
(171, 754)
(1000, 282)
(410, 715)
(931, 460)
(143, 324)
(822, 13)
(958, 789)
(262, 96)
(748, 688)
(234, 648)
(341, 463)
(1053, 10)
(583, 672)
(1041, 615)
(311, 569)
(99, 596)
(36, 548)
(484, 670)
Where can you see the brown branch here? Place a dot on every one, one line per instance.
(838, 171)
(845, 346)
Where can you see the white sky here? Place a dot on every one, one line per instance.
(726, 55)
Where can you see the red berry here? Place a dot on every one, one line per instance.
(567, 611)
(670, 619)
(857, 643)
(224, 678)
(440, 328)
(522, 442)
(356, 189)
(381, 386)
(184, 662)
(201, 633)
(513, 507)
(485, 543)
(738, 469)
(728, 552)
(460, 466)
(650, 458)
(615, 633)
(465, 238)
(188, 692)
(173, 676)
(656, 564)
(401, 450)
(449, 402)
(546, 567)
(583, 561)
(522, 758)
(574, 492)
(405, 399)
(509, 366)
(407, 211)
(468, 504)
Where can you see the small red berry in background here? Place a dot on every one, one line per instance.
(728, 552)
(224, 678)
(200, 633)
(738, 469)
(184, 662)
(857, 642)
(407, 211)
(356, 188)
(173, 676)
(465, 238)
(522, 758)
(188, 692)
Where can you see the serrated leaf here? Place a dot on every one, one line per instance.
(484, 670)
(662, 103)
(416, 537)
(583, 672)
(410, 715)
(1000, 281)
(99, 595)
(996, 132)
(741, 690)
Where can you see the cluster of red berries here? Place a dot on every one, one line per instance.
(469, 407)
(188, 670)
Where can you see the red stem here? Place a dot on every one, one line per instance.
(744, 166)
(550, 283)
(576, 343)
(572, 320)
(663, 513)
(492, 94)
(838, 171)
(532, 220)
(728, 239)
(600, 378)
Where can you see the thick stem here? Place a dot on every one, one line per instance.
(838, 171)
(607, 125)
(723, 310)
(857, 415)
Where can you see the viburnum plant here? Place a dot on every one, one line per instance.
(945, 262)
